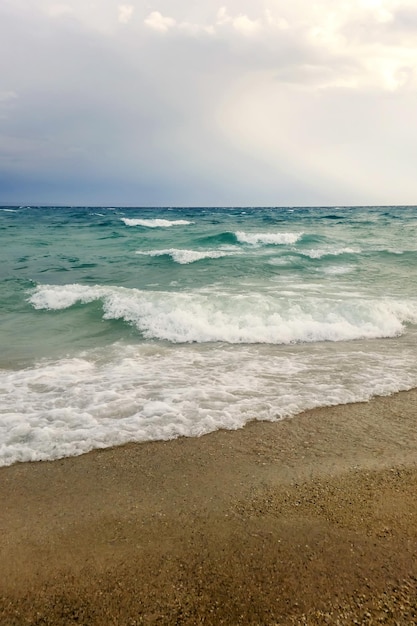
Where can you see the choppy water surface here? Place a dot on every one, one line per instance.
(135, 324)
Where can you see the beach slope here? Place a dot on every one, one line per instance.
(311, 520)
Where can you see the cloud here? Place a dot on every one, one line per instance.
(158, 22)
(125, 13)
(241, 23)
(356, 39)
(206, 103)
(7, 103)
(7, 96)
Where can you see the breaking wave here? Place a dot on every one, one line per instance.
(268, 238)
(156, 223)
(184, 257)
(214, 316)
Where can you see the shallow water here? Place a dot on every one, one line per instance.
(135, 324)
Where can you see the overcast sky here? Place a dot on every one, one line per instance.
(185, 102)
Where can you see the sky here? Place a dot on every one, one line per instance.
(192, 103)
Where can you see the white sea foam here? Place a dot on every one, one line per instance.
(280, 260)
(211, 316)
(188, 256)
(155, 223)
(268, 238)
(337, 269)
(318, 253)
(9, 210)
(148, 392)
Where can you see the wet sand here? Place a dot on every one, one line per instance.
(311, 520)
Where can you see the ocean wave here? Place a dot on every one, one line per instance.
(323, 252)
(154, 223)
(184, 257)
(267, 238)
(217, 316)
(337, 269)
(226, 238)
(123, 394)
(333, 217)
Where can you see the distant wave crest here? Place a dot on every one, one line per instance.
(184, 257)
(267, 238)
(319, 253)
(156, 223)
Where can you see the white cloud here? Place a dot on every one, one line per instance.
(222, 16)
(276, 20)
(378, 8)
(125, 13)
(355, 38)
(157, 21)
(243, 24)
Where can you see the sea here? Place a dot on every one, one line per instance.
(136, 324)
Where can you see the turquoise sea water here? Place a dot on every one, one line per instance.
(136, 324)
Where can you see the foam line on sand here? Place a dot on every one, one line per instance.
(311, 520)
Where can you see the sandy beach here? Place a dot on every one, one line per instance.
(311, 520)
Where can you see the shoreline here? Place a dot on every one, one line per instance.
(308, 520)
